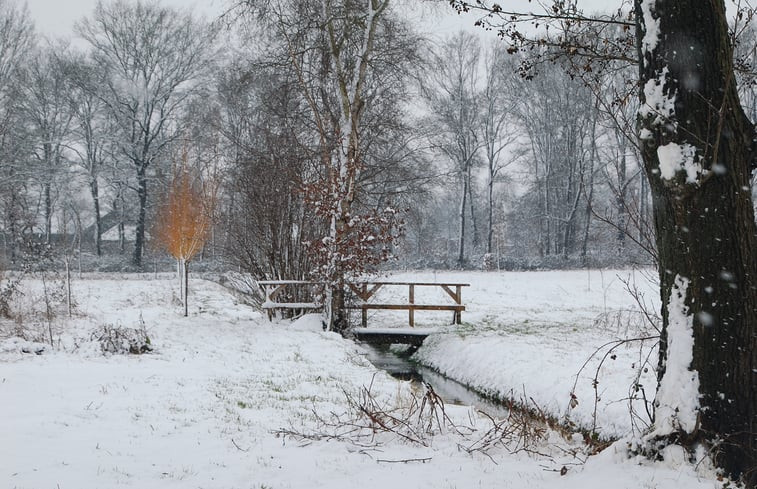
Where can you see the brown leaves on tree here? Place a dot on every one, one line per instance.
(363, 241)
(183, 220)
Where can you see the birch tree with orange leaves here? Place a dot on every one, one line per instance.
(183, 221)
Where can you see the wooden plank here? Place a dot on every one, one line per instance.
(455, 295)
(274, 290)
(362, 291)
(458, 315)
(388, 338)
(364, 312)
(422, 284)
(358, 289)
(285, 282)
(411, 311)
(291, 305)
(372, 290)
(417, 307)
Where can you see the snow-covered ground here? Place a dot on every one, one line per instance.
(203, 409)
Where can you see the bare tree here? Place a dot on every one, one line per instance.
(44, 101)
(92, 143)
(453, 99)
(17, 39)
(263, 119)
(497, 132)
(153, 59)
(557, 113)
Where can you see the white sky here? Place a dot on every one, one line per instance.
(57, 17)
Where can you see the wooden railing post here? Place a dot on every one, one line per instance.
(268, 290)
(364, 312)
(411, 311)
(458, 317)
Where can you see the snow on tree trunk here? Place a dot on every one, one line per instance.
(677, 400)
(696, 144)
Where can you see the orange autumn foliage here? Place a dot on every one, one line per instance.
(183, 220)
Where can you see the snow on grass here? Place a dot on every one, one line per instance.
(203, 409)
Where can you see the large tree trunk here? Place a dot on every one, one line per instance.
(696, 145)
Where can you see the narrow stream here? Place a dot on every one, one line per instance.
(451, 391)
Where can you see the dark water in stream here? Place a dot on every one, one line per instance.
(451, 391)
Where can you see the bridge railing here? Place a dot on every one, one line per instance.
(364, 292)
(273, 290)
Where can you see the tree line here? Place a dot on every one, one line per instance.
(435, 152)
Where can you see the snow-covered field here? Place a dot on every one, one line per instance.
(203, 409)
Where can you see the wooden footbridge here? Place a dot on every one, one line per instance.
(364, 295)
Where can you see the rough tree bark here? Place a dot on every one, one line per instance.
(697, 150)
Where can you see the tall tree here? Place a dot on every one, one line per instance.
(91, 131)
(332, 48)
(496, 129)
(698, 151)
(153, 58)
(453, 98)
(557, 114)
(17, 39)
(263, 120)
(44, 100)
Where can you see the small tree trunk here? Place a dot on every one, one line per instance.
(185, 286)
(139, 239)
(473, 220)
(490, 216)
(68, 285)
(93, 188)
(48, 213)
(461, 228)
(180, 276)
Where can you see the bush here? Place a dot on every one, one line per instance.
(118, 340)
